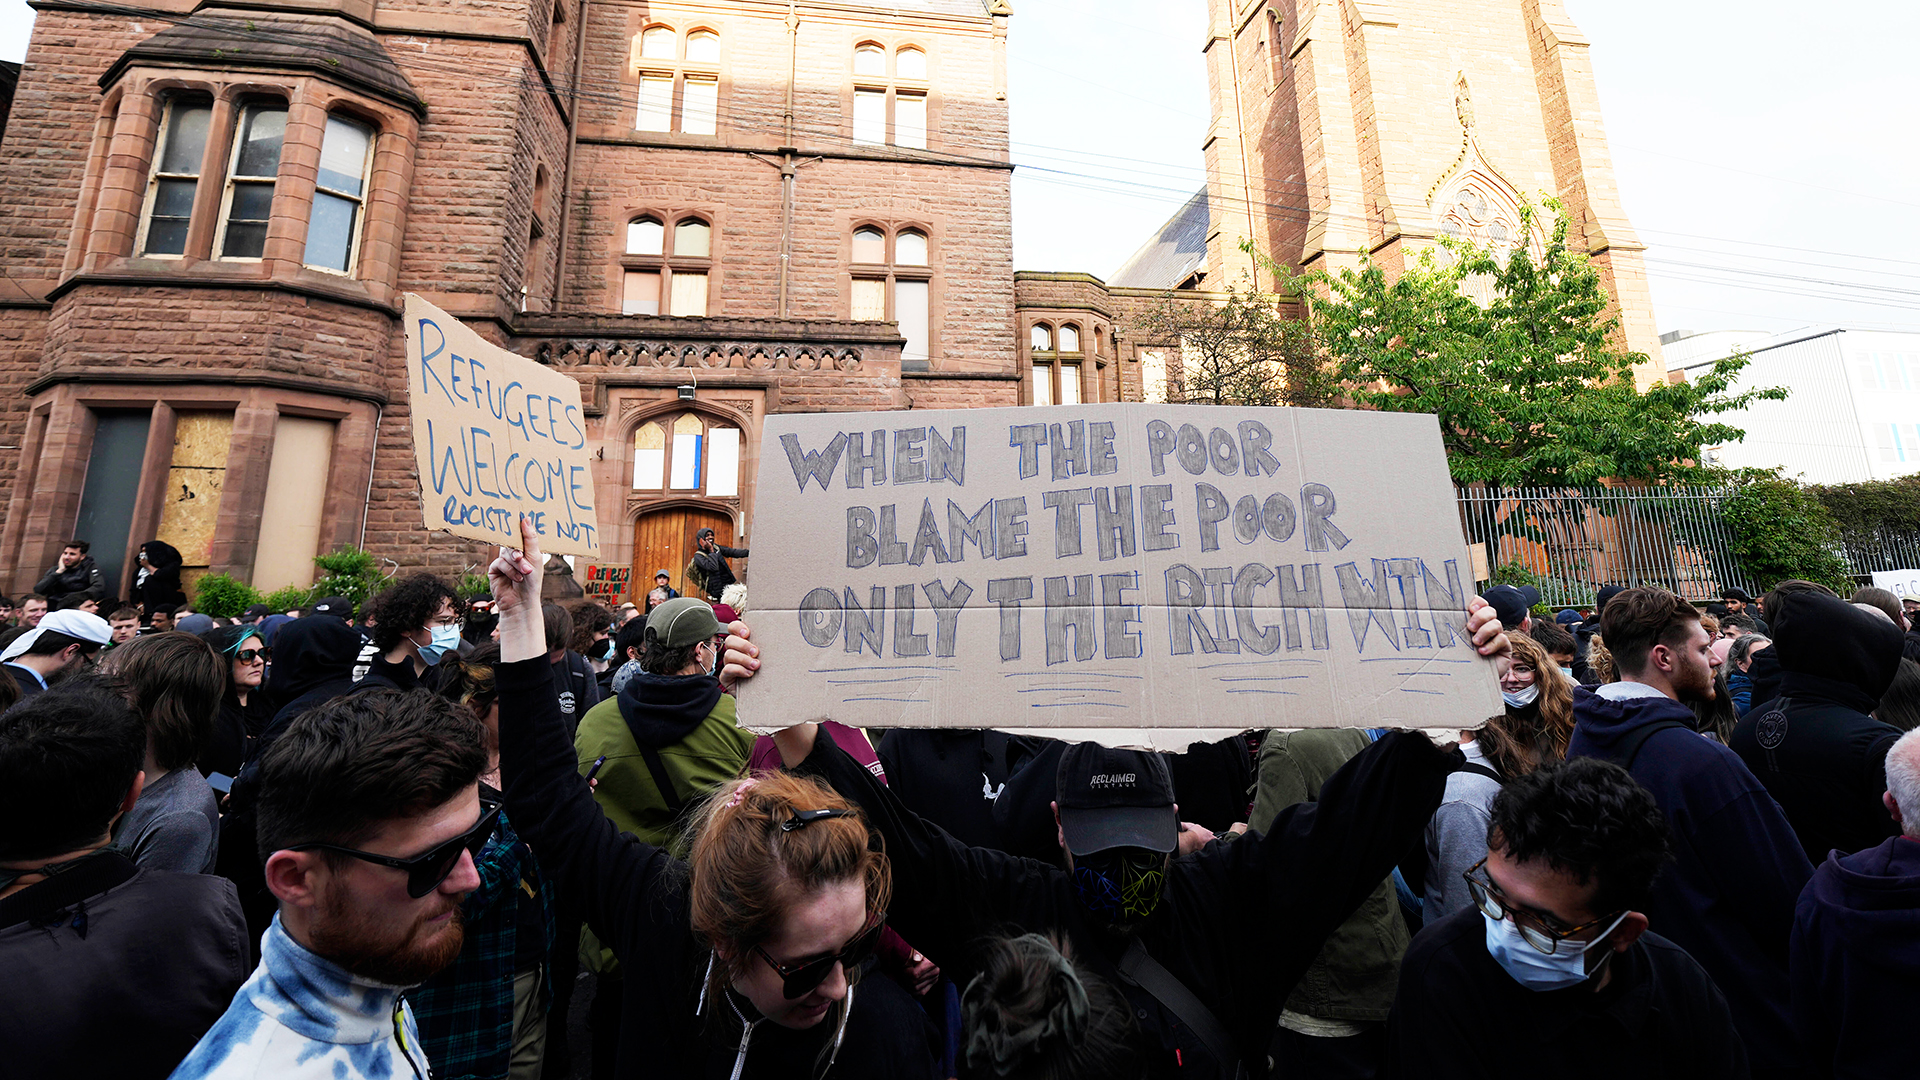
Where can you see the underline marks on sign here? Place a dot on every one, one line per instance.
(1259, 690)
(883, 667)
(908, 700)
(906, 678)
(1077, 675)
(1254, 663)
(1066, 690)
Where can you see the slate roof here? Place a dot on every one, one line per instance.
(1172, 254)
(334, 49)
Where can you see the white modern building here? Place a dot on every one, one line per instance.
(1852, 410)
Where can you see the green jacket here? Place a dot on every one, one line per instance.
(713, 753)
(1357, 970)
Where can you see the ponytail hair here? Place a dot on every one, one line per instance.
(747, 871)
(1033, 1014)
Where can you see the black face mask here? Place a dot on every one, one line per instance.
(1122, 886)
(602, 650)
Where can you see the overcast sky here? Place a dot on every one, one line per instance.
(1734, 125)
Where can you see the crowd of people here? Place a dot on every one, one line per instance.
(391, 841)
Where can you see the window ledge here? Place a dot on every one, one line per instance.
(208, 275)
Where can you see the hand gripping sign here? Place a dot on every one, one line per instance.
(1179, 570)
(496, 435)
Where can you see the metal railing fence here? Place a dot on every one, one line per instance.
(1571, 541)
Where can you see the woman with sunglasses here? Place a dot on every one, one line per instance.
(744, 962)
(244, 712)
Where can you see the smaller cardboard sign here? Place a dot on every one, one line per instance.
(607, 582)
(496, 435)
(1904, 584)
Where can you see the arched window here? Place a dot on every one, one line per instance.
(251, 178)
(687, 453)
(1056, 364)
(678, 93)
(889, 110)
(649, 457)
(334, 227)
(658, 274)
(659, 43)
(910, 248)
(703, 47)
(897, 289)
(646, 236)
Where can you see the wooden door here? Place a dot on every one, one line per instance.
(664, 539)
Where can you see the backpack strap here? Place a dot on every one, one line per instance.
(663, 780)
(1629, 749)
(1478, 769)
(1139, 967)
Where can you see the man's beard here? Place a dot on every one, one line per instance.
(354, 940)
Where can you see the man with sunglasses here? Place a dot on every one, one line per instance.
(370, 812)
(1552, 972)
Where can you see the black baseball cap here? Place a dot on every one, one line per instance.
(1511, 603)
(1115, 798)
(333, 605)
(1606, 593)
(256, 611)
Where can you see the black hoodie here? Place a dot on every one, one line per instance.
(1856, 961)
(1821, 757)
(312, 663)
(1728, 897)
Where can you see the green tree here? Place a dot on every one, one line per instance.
(351, 572)
(1531, 387)
(1242, 351)
(1781, 530)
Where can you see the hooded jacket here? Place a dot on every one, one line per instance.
(1814, 747)
(83, 577)
(160, 588)
(1728, 896)
(688, 723)
(1856, 961)
(637, 896)
(312, 664)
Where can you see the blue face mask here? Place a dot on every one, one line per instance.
(445, 639)
(1534, 969)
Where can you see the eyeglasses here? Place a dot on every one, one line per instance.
(428, 869)
(248, 656)
(799, 979)
(1541, 932)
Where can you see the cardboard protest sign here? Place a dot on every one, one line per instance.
(496, 435)
(606, 582)
(1904, 584)
(1173, 570)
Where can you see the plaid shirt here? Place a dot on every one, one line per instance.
(465, 1012)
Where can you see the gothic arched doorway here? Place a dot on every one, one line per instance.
(663, 538)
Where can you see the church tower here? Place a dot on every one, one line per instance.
(1350, 128)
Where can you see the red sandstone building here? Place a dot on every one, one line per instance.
(705, 212)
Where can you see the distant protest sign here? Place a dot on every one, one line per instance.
(1172, 570)
(1904, 584)
(606, 582)
(496, 435)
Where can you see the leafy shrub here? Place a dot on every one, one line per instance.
(350, 572)
(1782, 530)
(472, 585)
(223, 596)
(289, 597)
